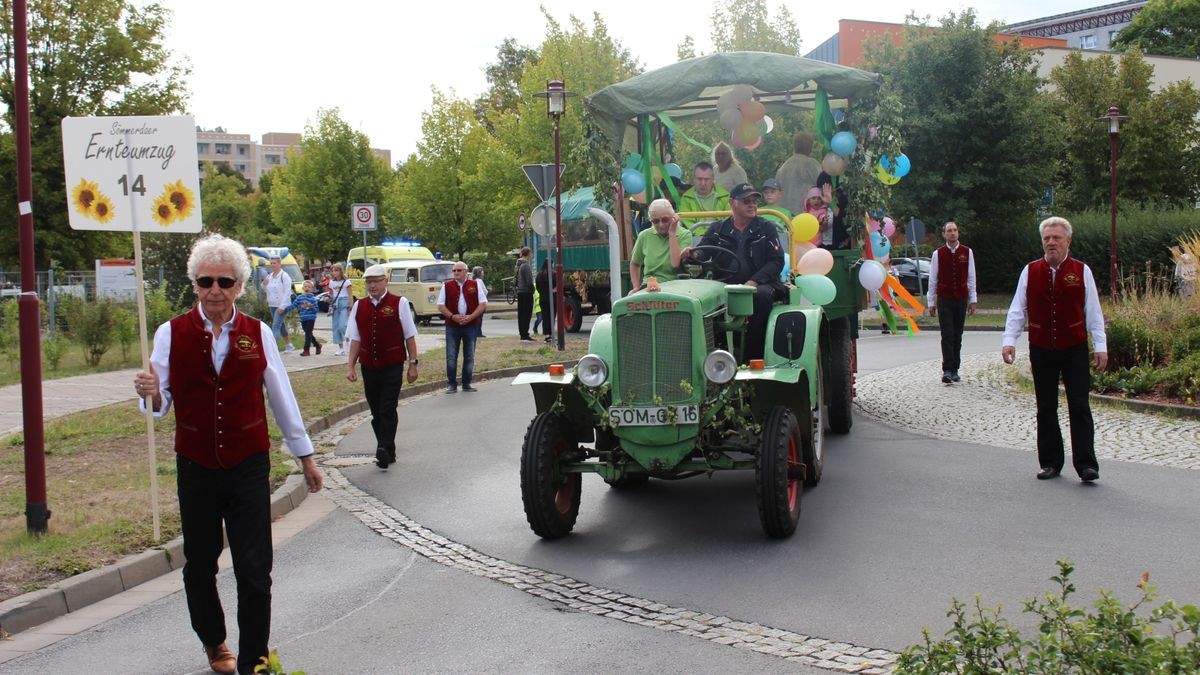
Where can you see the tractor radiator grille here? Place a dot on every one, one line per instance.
(654, 356)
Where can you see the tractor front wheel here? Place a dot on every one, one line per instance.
(550, 496)
(778, 473)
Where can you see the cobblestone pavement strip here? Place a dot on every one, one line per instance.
(986, 408)
(578, 595)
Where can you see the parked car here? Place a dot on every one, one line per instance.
(421, 282)
(905, 269)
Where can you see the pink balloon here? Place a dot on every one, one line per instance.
(889, 227)
(872, 225)
(755, 144)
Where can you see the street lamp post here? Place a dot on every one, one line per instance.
(556, 97)
(1113, 117)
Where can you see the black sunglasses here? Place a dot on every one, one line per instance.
(223, 282)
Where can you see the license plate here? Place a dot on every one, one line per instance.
(654, 416)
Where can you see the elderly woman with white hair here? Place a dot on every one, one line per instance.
(656, 253)
(213, 363)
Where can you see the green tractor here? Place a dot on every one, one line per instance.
(661, 393)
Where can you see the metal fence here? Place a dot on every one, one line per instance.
(51, 285)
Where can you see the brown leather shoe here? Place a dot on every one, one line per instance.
(221, 660)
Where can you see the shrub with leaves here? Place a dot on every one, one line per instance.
(1111, 638)
(92, 325)
(125, 329)
(53, 349)
(10, 333)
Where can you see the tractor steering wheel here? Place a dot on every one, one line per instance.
(711, 268)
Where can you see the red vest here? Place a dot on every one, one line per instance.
(470, 289)
(381, 337)
(952, 272)
(220, 420)
(1056, 316)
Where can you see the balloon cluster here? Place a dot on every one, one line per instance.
(813, 267)
(745, 118)
(890, 172)
(880, 233)
(843, 144)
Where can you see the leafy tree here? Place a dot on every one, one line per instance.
(504, 81)
(1164, 28)
(746, 25)
(86, 57)
(225, 207)
(975, 128)
(1158, 158)
(311, 196)
(446, 191)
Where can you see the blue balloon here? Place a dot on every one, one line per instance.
(899, 168)
(674, 170)
(880, 245)
(843, 143)
(633, 181)
(633, 160)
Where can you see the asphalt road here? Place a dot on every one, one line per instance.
(898, 525)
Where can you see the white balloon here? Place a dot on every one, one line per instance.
(730, 119)
(834, 164)
(728, 101)
(871, 275)
(770, 124)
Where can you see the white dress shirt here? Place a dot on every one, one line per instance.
(1093, 317)
(280, 397)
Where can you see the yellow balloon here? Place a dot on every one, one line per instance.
(804, 227)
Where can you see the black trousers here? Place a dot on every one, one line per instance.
(952, 316)
(1073, 367)
(524, 312)
(756, 331)
(241, 498)
(381, 386)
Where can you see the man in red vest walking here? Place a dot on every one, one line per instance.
(462, 301)
(383, 336)
(1057, 294)
(951, 296)
(213, 363)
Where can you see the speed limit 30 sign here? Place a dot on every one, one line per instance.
(362, 217)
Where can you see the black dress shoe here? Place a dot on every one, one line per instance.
(526, 338)
(1047, 472)
(954, 376)
(452, 389)
(946, 377)
(467, 387)
(1089, 475)
(381, 458)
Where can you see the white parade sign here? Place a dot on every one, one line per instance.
(132, 173)
(362, 217)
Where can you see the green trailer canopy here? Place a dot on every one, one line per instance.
(689, 90)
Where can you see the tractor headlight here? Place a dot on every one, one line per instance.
(720, 366)
(592, 371)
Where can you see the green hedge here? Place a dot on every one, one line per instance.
(1142, 235)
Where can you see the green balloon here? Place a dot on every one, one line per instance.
(820, 290)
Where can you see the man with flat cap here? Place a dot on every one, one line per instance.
(383, 336)
(755, 244)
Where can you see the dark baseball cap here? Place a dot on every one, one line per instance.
(743, 190)
(772, 184)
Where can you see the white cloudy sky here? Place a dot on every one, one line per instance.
(269, 65)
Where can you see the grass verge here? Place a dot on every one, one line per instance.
(98, 483)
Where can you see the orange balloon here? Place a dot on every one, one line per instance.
(747, 133)
(753, 111)
(804, 227)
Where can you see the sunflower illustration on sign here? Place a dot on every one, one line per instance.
(163, 212)
(83, 197)
(175, 203)
(181, 198)
(102, 208)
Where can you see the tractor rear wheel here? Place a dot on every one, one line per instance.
(840, 377)
(777, 472)
(550, 496)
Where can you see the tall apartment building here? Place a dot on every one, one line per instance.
(253, 159)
